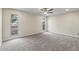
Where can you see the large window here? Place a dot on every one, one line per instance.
(14, 24)
(43, 24)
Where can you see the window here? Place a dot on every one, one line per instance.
(14, 24)
(43, 26)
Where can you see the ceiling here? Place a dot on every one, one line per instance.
(56, 11)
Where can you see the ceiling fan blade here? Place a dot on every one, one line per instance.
(50, 9)
(50, 12)
(45, 9)
(41, 9)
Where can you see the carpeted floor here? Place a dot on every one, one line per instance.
(42, 42)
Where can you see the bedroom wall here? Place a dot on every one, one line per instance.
(28, 23)
(67, 24)
(0, 26)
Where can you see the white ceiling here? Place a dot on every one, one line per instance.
(56, 11)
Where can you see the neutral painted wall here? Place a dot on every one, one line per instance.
(0, 26)
(28, 23)
(67, 24)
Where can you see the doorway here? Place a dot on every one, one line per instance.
(45, 24)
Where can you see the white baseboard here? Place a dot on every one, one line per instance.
(65, 34)
(21, 36)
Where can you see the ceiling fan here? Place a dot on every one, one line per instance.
(46, 11)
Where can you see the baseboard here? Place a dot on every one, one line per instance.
(65, 34)
(21, 36)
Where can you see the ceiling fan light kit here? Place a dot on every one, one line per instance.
(46, 11)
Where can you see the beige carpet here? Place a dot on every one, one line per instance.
(42, 42)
